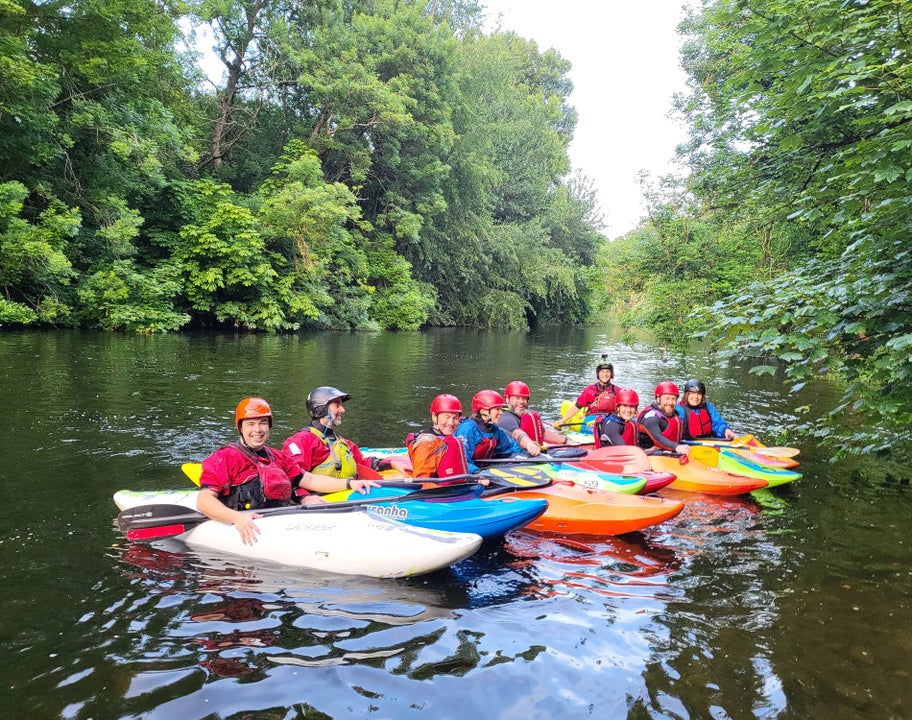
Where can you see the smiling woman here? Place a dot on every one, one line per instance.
(625, 73)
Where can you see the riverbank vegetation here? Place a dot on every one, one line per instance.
(792, 226)
(360, 164)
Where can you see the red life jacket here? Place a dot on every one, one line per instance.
(628, 429)
(270, 483)
(604, 402)
(531, 424)
(630, 432)
(697, 423)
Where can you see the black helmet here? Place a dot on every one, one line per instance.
(695, 386)
(604, 366)
(321, 397)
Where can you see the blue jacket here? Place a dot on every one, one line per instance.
(471, 435)
(719, 426)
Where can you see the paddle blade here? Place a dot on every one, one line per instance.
(517, 476)
(705, 454)
(776, 452)
(194, 471)
(160, 531)
(157, 515)
(631, 457)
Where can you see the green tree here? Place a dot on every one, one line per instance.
(35, 273)
(813, 119)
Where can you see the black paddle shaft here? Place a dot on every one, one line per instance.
(155, 515)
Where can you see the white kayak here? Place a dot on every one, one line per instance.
(349, 542)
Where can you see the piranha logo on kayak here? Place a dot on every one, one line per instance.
(393, 512)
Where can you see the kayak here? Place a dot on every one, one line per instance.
(465, 515)
(572, 471)
(350, 542)
(576, 510)
(726, 460)
(489, 519)
(694, 476)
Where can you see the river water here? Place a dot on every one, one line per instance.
(793, 603)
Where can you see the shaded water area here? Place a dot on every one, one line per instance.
(793, 603)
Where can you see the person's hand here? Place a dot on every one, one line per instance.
(247, 528)
(683, 449)
(533, 449)
(729, 434)
(314, 500)
(363, 486)
(557, 424)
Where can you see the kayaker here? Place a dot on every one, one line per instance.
(319, 450)
(619, 427)
(248, 475)
(483, 438)
(700, 418)
(437, 452)
(659, 426)
(519, 421)
(596, 398)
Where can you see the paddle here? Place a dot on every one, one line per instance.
(739, 444)
(516, 477)
(195, 470)
(156, 521)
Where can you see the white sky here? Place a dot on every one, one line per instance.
(625, 71)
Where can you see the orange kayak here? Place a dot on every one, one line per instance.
(694, 476)
(576, 510)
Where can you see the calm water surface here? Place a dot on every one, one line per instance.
(787, 604)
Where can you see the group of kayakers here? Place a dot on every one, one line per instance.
(248, 474)
(661, 425)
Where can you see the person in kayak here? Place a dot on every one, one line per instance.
(596, 398)
(437, 452)
(317, 449)
(519, 421)
(619, 427)
(482, 438)
(659, 427)
(248, 475)
(700, 418)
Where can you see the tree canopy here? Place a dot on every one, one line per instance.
(359, 164)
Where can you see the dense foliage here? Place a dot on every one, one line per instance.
(793, 225)
(360, 164)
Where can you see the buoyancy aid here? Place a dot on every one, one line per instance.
(487, 446)
(628, 429)
(671, 427)
(340, 463)
(697, 422)
(268, 487)
(531, 424)
(604, 400)
(436, 455)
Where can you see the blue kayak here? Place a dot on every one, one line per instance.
(491, 518)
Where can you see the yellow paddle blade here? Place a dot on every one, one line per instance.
(533, 475)
(746, 440)
(194, 471)
(705, 454)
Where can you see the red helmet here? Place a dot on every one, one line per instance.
(666, 388)
(517, 387)
(487, 399)
(626, 397)
(446, 403)
(252, 407)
